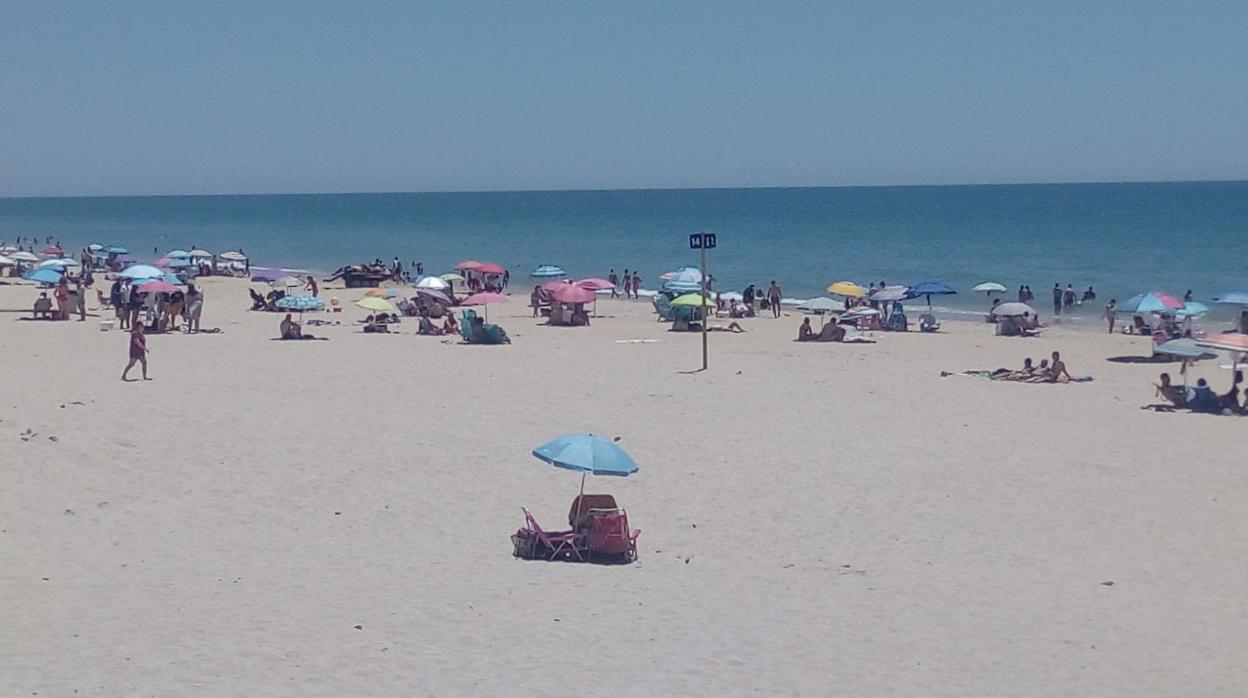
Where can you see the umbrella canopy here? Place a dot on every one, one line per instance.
(586, 453)
(989, 287)
(596, 284)
(377, 305)
(571, 293)
(1191, 309)
(177, 254)
(287, 282)
(23, 257)
(467, 265)
(731, 296)
(435, 295)
(682, 286)
(43, 276)
(686, 275)
(95, 247)
(388, 292)
(485, 298)
(891, 293)
(51, 249)
(553, 286)
(199, 254)
(116, 249)
(155, 286)
(931, 288)
(693, 300)
(300, 303)
(1226, 342)
(432, 283)
(161, 262)
(1154, 302)
(821, 305)
(860, 311)
(1013, 310)
(847, 289)
(451, 277)
(141, 271)
(1233, 298)
(490, 268)
(180, 263)
(1184, 348)
(5, 261)
(52, 263)
(548, 271)
(69, 262)
(233, 256)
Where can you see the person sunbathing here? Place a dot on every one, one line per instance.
(1054, 373)
(805, 333)
(450, 325)
(1027, 371)
(1174, 394)
(1040, 374)
(730, 327)
(831, 332)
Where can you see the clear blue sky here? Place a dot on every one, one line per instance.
(125, 97)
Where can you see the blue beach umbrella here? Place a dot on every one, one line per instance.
(141, 271)
(548, 271)
(1233, 298)
(588, 454)
(177, 254)
(931, 288)
(116, 249)
(1155, 302)
(46, 275)
(682, 286)
(300, 303)
(180, 263)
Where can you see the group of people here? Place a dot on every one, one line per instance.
(1051, 370)
(1062, 299)
(1202, 398)
(631, 284)
(161, 312)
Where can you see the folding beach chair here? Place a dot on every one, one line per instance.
(928, 323)
(562, 544)
(610, 537)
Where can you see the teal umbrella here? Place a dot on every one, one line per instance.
(588, 454)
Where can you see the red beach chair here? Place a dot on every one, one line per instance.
(582, 504)
(609, 535)
(562, 544)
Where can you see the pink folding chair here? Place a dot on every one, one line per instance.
(562, 544)
(610, 536)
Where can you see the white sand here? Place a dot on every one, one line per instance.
(816, 519)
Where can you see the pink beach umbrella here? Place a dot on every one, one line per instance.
(552, 286)
(158, 286)
(571, 293)
(596, 284)
(52, 249)
(485, 298)
(468, 265)
(490, 268)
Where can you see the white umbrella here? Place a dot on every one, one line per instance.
(200, 254)
(432, 283)
(1012, 310)
(233, 256)
(890, 293)
(287, 282)
(141, 271)
(55, 263)
(5, 261)
(821, 305)
(23, 257)
(989, 287)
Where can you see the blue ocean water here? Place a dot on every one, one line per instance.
(1119, 238)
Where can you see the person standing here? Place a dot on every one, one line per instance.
(1111, 313)
(1057, 299)
(138, 351)
(615, 282)
(747, 297)
(194, 306)
(636, 285)
(628, 282)
(773, 299)
(311, 286)
(80, 300)
(1068, 298)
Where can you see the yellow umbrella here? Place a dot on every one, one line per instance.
(693, 300)
(377, 305)
(848, 289)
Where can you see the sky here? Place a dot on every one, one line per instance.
(120, 97)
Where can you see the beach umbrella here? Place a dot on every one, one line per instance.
(155, 286)
(300, 303)
(596, 284)
(1153, 302)
(287, 282)
(571, 293)
(161, 262)
(95, 247)
(176, 254)
(484, 298)
(6, 262)
(1190, 309)
(51, 249)
(377, 305)
(233, 256)
(859, 312)
(449, 278)
(820, 305)
(199, 254)
(553, 286)
(1186, 349)
(548, 271)
(20, 256)
(51, 263)
(989, 287)
(891, 293)
(435, 295)
(929, 289)
(682, 286)
(141, 271)
(588, 455)
(432, 283)
(69, 262)
(116, 249)
(847, 289)
(124, 259)
(693, 300)
(385, 292)
(490, 268)
(1013, 310)
(43, 276)
(687, 275)
(170, 278)
(1226, 342)
(467, 265)
(180, 263)
(1230, 298)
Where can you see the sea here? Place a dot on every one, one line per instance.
(1120, 239)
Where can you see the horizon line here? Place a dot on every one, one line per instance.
(637, 189)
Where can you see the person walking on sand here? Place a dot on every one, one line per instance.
(138, 351)
(773, 298)
(1111, 313)
(615, 283)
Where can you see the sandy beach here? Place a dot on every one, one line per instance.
(332, 518)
